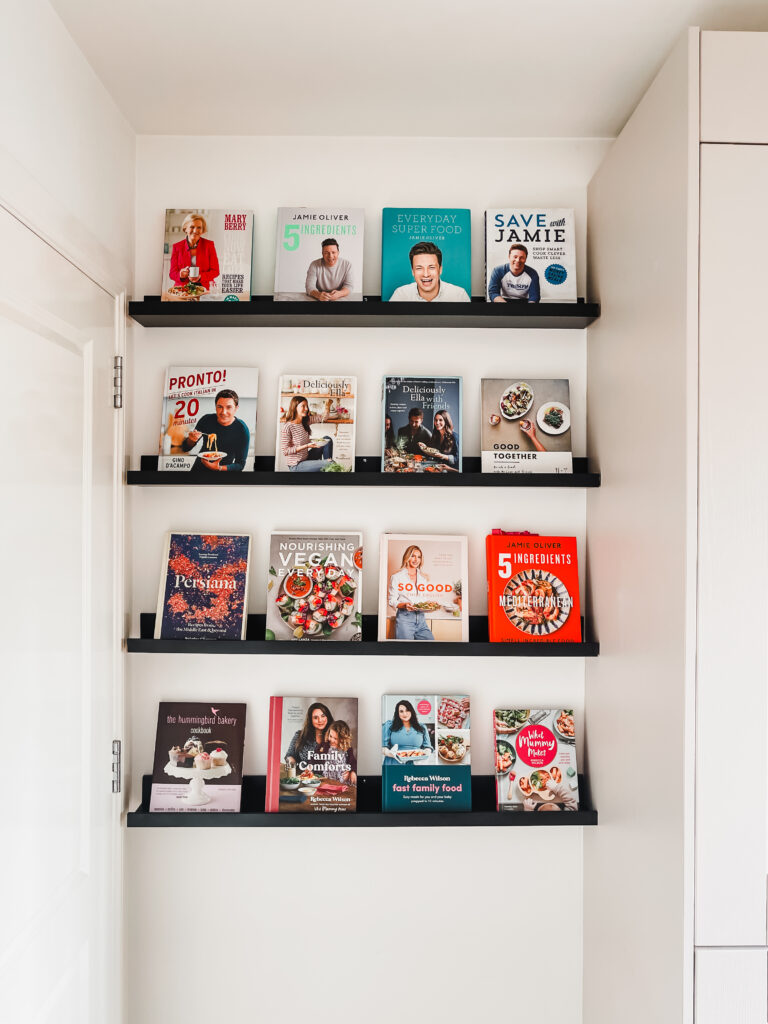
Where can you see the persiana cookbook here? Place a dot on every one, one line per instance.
(535, 753)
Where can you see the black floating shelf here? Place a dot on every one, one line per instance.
(367, 474)
(263, 311)
(477, 646)
(368, 815)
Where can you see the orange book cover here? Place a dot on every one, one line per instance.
(533, 588)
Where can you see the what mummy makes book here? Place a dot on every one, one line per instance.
(214, 266)
(535, 757)
(544, 269)
(301, 264)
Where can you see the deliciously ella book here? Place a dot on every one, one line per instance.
(426, 255)
(525, 426)
(533, 588)
(207, 256)
(319, 254)
(312, 755)
(425, 753)
(421, 430)
(530, 255)
(535, 760)
(316, 416)
(198, 762)
(203, 587)
(208, 422)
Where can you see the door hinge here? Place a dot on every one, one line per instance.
(117, 383)
(117, 767)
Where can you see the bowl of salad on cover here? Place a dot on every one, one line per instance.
(505, 757)
(508, 722)
(516, 400)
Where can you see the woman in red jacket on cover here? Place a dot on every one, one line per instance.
(194, 258)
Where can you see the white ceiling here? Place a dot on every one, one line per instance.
(512, 68)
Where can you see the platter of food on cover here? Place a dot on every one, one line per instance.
(316, 600)
(564, 726)
(189, 292)
(516, 400)
(536, 784)
(536, 602)
(453, 746)
(506, 723)
(397, 461)
(554, 417)
(505, 757)
(413, 756)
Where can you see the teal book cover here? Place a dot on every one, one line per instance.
(426, 255)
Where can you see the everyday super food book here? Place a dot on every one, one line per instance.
(423, 588)
(207, 256)
(203, 587)
(314, 586)
(425, 743)
(208, 422)
(533, 588)
(312, 755)
(319, 254)
(198, 762)
(535, 760)
(316, 416)
(426, 255)
(525, 426)
(530, 255)
(421, 428)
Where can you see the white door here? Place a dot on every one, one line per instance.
(60, 651)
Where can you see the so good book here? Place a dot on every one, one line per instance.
(423, 588)
(533, 588)
(208, 422)
(207, 256)
(319, 254)
(530, 256)
(198, 762)
(535, 760)
(312, 756)
(426, 255)
(421, 432)
(525, 426)
(425, 753)
(316, 423)
(203, 587)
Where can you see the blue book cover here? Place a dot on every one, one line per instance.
(425, 753)
(421, 428)
(426, 255)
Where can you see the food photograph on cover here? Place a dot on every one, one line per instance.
(525, 426)
(421, 432)
(316, 424)
(426, 255)
(207, 256)
(530, 256)
(535, 752)
(319, 254)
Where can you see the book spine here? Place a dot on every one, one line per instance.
(273, 754)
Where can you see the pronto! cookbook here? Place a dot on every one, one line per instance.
(421, 428)
(525, 426)
(312, 755)
(319, 254)
(530, 256)
(426, 255)
(535, 752)
(207, 256)
(316, 416)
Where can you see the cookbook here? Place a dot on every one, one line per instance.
(198, 762)
(318, 410)
(421, 425)
(312, 755)
(530, 255)
(208, 421)
(525, 426)
(425, 743)
(207, 256)
(535, 760)
(423, 588)
(203, 587)
(426, 255)
(319, 254)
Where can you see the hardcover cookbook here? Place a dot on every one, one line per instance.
(535, 753)
(530, 255)
(319, 254)
(426, 255)
(525, 426)
(421, 429)
(207, 256)
(316, 416)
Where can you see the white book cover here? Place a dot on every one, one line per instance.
(207, 256)
(530, 255)
(316, 416)
(319, 255)
(525, 425)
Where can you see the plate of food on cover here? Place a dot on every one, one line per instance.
(186, 292)
(516, 400)
(414, 755)
(554, 418)
(316, 600)
(536, 602)
(308, 778)
(452, 747)
(212, 457)
(505, 757)
(564, 726)
(508, 722)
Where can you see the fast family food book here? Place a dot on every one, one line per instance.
(535, 752)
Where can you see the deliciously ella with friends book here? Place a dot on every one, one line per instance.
(530, 255)
(525, 426)
(207, 256)
(426, 255)
(535, 760)
(425, 746)
(319, 254)
(312, 755)
(421, 430)
(316, 416)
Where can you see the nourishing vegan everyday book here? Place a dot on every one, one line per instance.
(530, 255)
(421, 430)
(426, 255)
(207, 256)
(535, 753)
(525, 426)
(319, 254)
(316, 416)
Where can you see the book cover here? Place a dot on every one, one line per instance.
(208, 422)
(525, 426)
(535, 760)
(425, 746)
(426, 255)
(530, 256)
(203, 587)
(319, 254)
(423, 588)
(316, 416)
(421, 429)
(533, 588)
(198, 762)
(207, 256)
(312, 755)
(314, 588)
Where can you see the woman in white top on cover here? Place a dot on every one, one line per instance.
(408, 587)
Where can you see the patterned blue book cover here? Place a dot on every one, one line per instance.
(204, 587)
(426, 255)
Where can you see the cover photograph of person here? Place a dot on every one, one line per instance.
(403, 728)
(316, 424)
(422, 425)
(426, 255)
(207, 255)
(319, 255)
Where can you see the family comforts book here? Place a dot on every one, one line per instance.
(198, 762)
(319, 254)
(421, 428)
(208, 422)
(314, 586)
(423, 588)
(425, 747)
(426, 255)
(530, 256)
(535, 760)
(525, 426)
(312, 755)
(533, 588)
(207, 256)
(316, 416)
(203, 587)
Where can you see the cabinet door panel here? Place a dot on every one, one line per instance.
(731, 986)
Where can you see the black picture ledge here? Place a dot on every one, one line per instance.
(477, 646)
(367, 474)
(368, 815)
(263, 311)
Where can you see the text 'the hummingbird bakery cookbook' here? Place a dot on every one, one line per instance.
(312, 755)
(535, 760)
(207, 256)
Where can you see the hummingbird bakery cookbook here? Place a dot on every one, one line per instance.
(535, 753)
